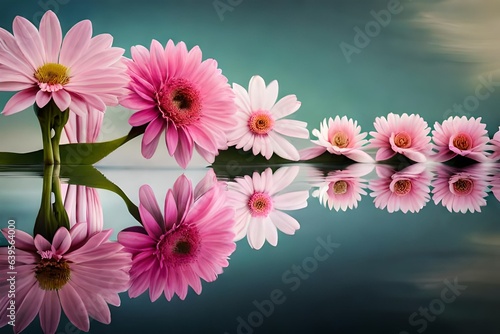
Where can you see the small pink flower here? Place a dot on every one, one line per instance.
(178, 94)
(406, 135)
(495, 142)
(342, 189)
(261, 123)
(406, 190)
(460, 136)
(79, 272)
(461, 190)
(341, 136)
(192, 240)
(80, 72)
(258, 201)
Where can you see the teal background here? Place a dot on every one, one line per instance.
(388, 265)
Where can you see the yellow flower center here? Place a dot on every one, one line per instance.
(402, 187)
(52, 274)
(340, 187)
(52, 74)
(402, 140)
(260, 123)
(462, 142)
(340, 139)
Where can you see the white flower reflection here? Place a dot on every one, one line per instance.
(258, 201)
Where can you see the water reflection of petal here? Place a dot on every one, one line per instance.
(191, 240)
(259, 200)
(461, 190)
(342, 189)
(83, 205)
(406, 190)
(77, 272)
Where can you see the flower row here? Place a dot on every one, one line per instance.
(175, 93)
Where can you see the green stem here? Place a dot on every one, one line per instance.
(44, 217)
(51, 118)
(60, 213)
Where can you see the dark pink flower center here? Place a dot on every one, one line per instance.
(402, 187)
(260, 204)
(179, 101)
(260, 123)
(179, 247)
(463, 186)
(402, 140)
(52, 77)
(340, 139)
(52, 274)
(340, 187)
(462, 141)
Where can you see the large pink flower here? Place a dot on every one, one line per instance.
(260, 120)
(258, 201)
(176, 93)
(406, 190)
(79, 272)
(460, 136)
(342, 189)
(341, 136)
(192, 240)
(406, 135)
(461, 190)
(495, 142)
(80, 72)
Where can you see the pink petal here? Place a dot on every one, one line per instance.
(170, 210)
(184, 150)
(414, 155)
(62, 99)
(61, 241)
(29, 41)
(311, 152)
(384, 153)
(50, 312)
(29, 307)
(256, 233)
(42, 98)
(51, 34)
(257, 92)
(292, 128)
(20, 101)
(148, 202)
(171, 138)
(283, 148)
(77, 39)
(359, 156)
(284, 222)
(183, 196)
(74, 308)
(291, 201)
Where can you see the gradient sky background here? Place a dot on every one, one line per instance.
(428, 58)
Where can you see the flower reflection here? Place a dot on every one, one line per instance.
(258, 201)
(461, 190)
(77, 272)
(342, 189)
(495, 182)
(406, 190)
(192, 240)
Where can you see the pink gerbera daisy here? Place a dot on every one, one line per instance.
(495, 142)
(80, 72)
(260, 123)
(77, 272)
(406, 190)
(460, 136)
(258, 201)
(192, 240)
(341, 136)
(342, 189)
(176, 93)
(406, 135)
(461, 190)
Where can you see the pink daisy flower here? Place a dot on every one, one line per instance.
(342, 189)
(461, 190)
(258, 201)
(341, 136)
(77, 272)
(495, 143)
(80, 72)
(192, 240)
(176, 93)
(406, 190)
(261, 123)
(406, 135)
(460, 136)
